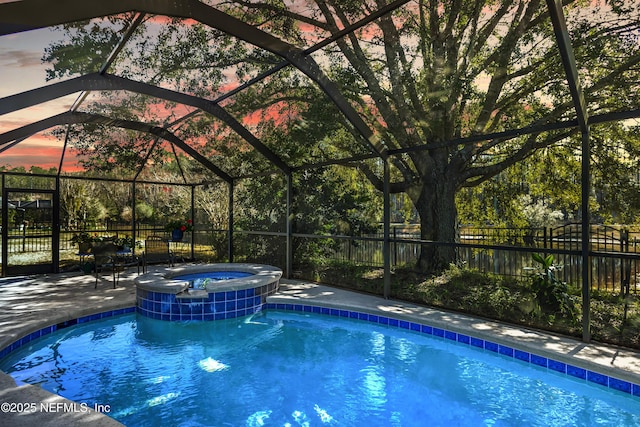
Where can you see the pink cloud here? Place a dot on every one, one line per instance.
(19, 58)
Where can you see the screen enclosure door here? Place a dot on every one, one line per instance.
(29, 235)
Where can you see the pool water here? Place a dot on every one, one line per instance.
(280, 368)
(200, 280)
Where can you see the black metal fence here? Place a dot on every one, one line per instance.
(615, 252)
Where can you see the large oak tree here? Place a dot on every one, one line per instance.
(426, 75)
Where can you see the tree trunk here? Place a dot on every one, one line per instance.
(436, 206)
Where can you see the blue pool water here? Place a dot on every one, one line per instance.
(281, 368)
(200, 280)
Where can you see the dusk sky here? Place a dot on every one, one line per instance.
(21, 70)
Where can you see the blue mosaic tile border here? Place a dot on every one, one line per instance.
(52, 328)
(216, 306)
(561, 367)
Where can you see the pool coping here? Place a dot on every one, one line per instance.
(621, 364)
(163, 280)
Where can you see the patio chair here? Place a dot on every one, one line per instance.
(157, 251)
(104, 255)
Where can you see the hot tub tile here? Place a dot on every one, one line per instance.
(225, 303)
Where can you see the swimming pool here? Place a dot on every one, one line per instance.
(289, 368)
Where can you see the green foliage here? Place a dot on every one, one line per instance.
(537, 214)
(551, 293)
(93, 40)
(615, 164)
(333, 200)
(127, 241)
(82, 204)
(82, 237)
(144, 211)
(85, 237)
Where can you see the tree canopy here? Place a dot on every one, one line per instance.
(429, 78)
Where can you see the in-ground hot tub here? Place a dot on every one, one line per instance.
(169, 294)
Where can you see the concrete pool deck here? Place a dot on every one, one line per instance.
(28, 304)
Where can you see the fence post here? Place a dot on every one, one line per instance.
(395, 247)
(625, 263)
(24, 236)
(386, 253)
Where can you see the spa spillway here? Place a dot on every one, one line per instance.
(221, 291)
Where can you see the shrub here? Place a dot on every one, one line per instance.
(551, 293)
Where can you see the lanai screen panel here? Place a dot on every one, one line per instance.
(259, 204)
(195, 64)
(606, 42)
(188, 56)
(296, 120)
(23, 69)
(220, 145)
(300, 23)
(50, 56)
